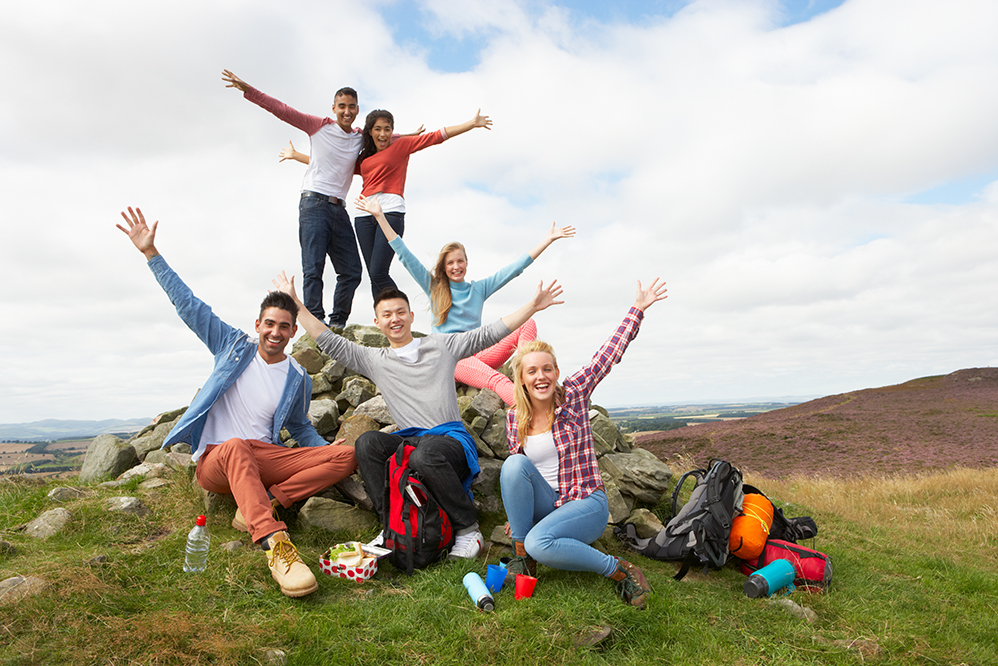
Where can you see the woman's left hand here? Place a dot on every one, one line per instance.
(648, 297)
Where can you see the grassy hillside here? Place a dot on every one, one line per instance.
(914, 553)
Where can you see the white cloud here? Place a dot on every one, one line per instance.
(759, 170)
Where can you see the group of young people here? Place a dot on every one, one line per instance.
(551, 486)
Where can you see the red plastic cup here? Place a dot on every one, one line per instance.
(524, 586)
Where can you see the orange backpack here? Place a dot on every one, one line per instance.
(750, 529)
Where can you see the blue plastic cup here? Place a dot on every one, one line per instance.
(495, 576)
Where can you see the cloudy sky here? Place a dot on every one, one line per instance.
(816, 181)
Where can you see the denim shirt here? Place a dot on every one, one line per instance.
(233, 350)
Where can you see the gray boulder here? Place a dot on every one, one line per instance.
(354, 426)
(488, 479)
(334, 516)
(310, 359)
(377, 409)
(152, 440)
(66, 493)
(353, 488)
(133, 506)
(16, 588)
(638, 474)
(48, 523)
(356, 391)
(107, 456)
(646, 523)
(368, 336)
(494, 436)
(324, 415)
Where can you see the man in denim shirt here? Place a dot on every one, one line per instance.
(233, 424)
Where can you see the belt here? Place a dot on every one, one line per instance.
(324, 197)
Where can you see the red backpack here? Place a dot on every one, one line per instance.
(417, 530)
(812, 570)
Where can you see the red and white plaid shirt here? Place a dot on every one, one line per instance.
(578, 473)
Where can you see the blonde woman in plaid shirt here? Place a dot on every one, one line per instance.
(551, 485)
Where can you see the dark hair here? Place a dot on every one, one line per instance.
(387, 294)
(347, 91)
(282, 301)
(369, 147)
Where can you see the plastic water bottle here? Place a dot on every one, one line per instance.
(197, 547)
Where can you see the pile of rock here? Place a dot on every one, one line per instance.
(345, 405)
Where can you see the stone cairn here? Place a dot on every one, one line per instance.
(345, 405)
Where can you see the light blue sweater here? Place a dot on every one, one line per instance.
(468, 297)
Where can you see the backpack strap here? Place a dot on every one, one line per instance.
(697, 475)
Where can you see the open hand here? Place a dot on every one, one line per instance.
(287, 153)
(653, 294)
(233, 81)
(369, 205)
(481, 121)
(286, 286)
(545, 296)
(560, 232)
(142, 236)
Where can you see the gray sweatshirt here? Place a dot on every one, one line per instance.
(419, 394)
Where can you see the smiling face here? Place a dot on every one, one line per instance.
(393, 317)
(539, 376)
(345, 109)
(381, 132)
(455, 265)
(275, 327)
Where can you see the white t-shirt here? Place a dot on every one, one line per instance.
(541, 451)
(410, 352)
(247, 409)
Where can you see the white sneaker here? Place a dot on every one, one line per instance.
(467, 546)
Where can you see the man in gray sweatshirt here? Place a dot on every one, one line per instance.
(416, 378)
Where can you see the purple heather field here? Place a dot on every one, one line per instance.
(924, 424)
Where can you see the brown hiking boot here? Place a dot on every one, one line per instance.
(521, 562)
(287, 568)
(239, 523)
(632, 586)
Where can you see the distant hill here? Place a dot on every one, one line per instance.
(65, 429)
(924, 424)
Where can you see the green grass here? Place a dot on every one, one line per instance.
(139, 607)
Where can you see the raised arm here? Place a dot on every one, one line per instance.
(371, 206)
(552, 236)
(290, 153)
(477, 121)
(309, 322)
(543, 298)
(142, 236)
(233, 81)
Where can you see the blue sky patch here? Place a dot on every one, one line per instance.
(955, 192)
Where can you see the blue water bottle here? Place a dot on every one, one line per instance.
(770, 579)
(478, 592)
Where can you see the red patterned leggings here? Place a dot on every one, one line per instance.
(482, 369)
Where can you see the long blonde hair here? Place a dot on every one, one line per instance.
(440, 298)
(524, 409)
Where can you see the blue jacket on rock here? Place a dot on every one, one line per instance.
(233, 350)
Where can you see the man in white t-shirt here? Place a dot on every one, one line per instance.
(234, 423)
(323, 224)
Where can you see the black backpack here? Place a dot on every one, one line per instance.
(417, 530)
(698, 533)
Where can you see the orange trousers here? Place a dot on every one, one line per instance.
(249, 469)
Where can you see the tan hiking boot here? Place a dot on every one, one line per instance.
(632, 586)
(287, 568)
(521, 562)
(239, 523)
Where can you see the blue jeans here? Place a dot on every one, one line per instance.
(324, 230)
(556, 537)
(378, 254)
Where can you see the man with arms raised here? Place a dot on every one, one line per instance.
(323, 224)
(416, 378)
(233, 425)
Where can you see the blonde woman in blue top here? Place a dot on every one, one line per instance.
(456, 303)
